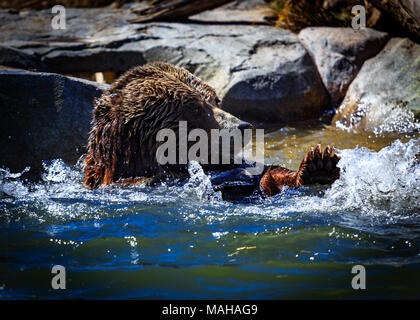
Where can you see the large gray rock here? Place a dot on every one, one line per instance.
(385, 96)
(260, 73)
(43, 116)
(339, 54)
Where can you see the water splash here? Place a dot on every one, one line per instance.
(199, 184)
(380, 118)
(56, 171)
(373, 184)
(384, 182)
(8, 185)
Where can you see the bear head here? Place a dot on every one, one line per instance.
(128, 117)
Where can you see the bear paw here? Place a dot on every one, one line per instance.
(318, 167)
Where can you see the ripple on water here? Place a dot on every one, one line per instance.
(369, 216)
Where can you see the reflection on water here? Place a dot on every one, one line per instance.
(184, 241)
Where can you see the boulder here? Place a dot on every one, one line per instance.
(385, 96)
(262, 74)
(405, 12)
(14, 58)
(339, 54)
(276, 82)
(43, 116)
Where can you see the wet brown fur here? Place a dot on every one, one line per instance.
(126, 118)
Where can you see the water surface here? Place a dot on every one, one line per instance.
(184, 241)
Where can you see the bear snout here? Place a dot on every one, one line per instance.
(229, 121)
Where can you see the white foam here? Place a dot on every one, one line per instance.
(380, 117)
(199, 184)
(374, 182)
(384, 183)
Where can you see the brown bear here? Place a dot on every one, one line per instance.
(127, 117)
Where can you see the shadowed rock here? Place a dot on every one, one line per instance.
(405, 12)
(18, 59)
(43, 116)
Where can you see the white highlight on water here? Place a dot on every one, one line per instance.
(384, 183)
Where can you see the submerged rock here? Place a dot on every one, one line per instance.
(339, 54)
(43, 116)
(262, 74)
(385, 96)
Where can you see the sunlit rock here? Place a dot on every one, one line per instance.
(339, 54)
(385, 96)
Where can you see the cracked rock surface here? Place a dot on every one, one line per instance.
(261, 74)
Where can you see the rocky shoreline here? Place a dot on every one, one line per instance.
(262, 74)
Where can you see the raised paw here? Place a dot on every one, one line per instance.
(318, 167)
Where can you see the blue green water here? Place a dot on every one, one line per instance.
(185, 242)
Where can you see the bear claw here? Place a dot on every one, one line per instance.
(319, 167)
